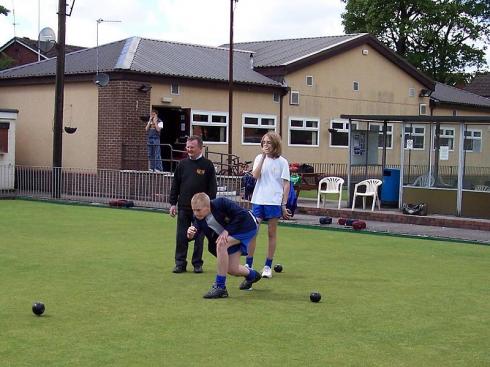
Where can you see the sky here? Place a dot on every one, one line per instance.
(204, 22)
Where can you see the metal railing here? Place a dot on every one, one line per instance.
(135, 157)
(149, 189)
(145, 189)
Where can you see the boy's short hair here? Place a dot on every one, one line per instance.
(276, 144)
(201, 198)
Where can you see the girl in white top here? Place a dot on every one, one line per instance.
(270, 195)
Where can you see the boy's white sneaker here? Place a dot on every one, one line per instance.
(267, 272)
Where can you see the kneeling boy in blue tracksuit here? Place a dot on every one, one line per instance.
(235, 228)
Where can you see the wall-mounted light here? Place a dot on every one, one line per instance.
(70, 130)
(144, 88)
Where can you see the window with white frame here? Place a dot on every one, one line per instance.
(415, 133)
(309, 81)
(175, 88)
(304, 131)
(339, 133)
(446, 137)
(472, 140)
(422, 109)
(378, 127)
(212, 126)
(255, 126)
(294, 98)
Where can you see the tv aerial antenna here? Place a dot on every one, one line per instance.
(14, 22)
(101, 79)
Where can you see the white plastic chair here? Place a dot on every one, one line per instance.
(329, 185)
(371, 185)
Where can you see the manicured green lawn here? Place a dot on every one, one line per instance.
(105, 277)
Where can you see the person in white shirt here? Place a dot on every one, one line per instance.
(270, 195)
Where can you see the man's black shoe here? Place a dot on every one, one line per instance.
(198, 269)
(179, 269)
(216, 292)
(247, 284)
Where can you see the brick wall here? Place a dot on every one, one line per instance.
(20, 54)
(120, 107)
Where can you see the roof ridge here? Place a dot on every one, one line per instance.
(183, 43)
(302, 38)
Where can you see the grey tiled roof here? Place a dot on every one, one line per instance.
(186, 60)
(480, 85)
(150, 57)
(447, 94)
(78, 62)
(284, 52)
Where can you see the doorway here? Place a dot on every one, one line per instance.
(173, 137)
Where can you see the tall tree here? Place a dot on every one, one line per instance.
(443, 38)
(4, 10)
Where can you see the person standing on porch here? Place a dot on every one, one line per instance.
(270, 194)
(153, 127)
(192, 175)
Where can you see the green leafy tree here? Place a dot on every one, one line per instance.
(5, 61)
(4, 10)
(443, 38)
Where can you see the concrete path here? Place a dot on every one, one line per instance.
(444, 233)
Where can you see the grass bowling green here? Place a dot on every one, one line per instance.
(105, 277)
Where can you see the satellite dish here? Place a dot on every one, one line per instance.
(101, 79)
(47, 39)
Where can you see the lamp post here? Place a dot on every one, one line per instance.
(230, 87)
(59, 100)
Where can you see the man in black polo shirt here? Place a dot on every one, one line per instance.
(192, 175)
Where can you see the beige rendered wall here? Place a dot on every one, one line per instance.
(384, 89)
(34, 134)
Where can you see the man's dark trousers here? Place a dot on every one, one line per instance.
(184, 221)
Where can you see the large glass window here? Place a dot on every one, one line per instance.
(212, 126)
(414, 137)
(339, 133)
(389, 134)
(446, 137)
(304, 131)
(255, 126)
(472, 140)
